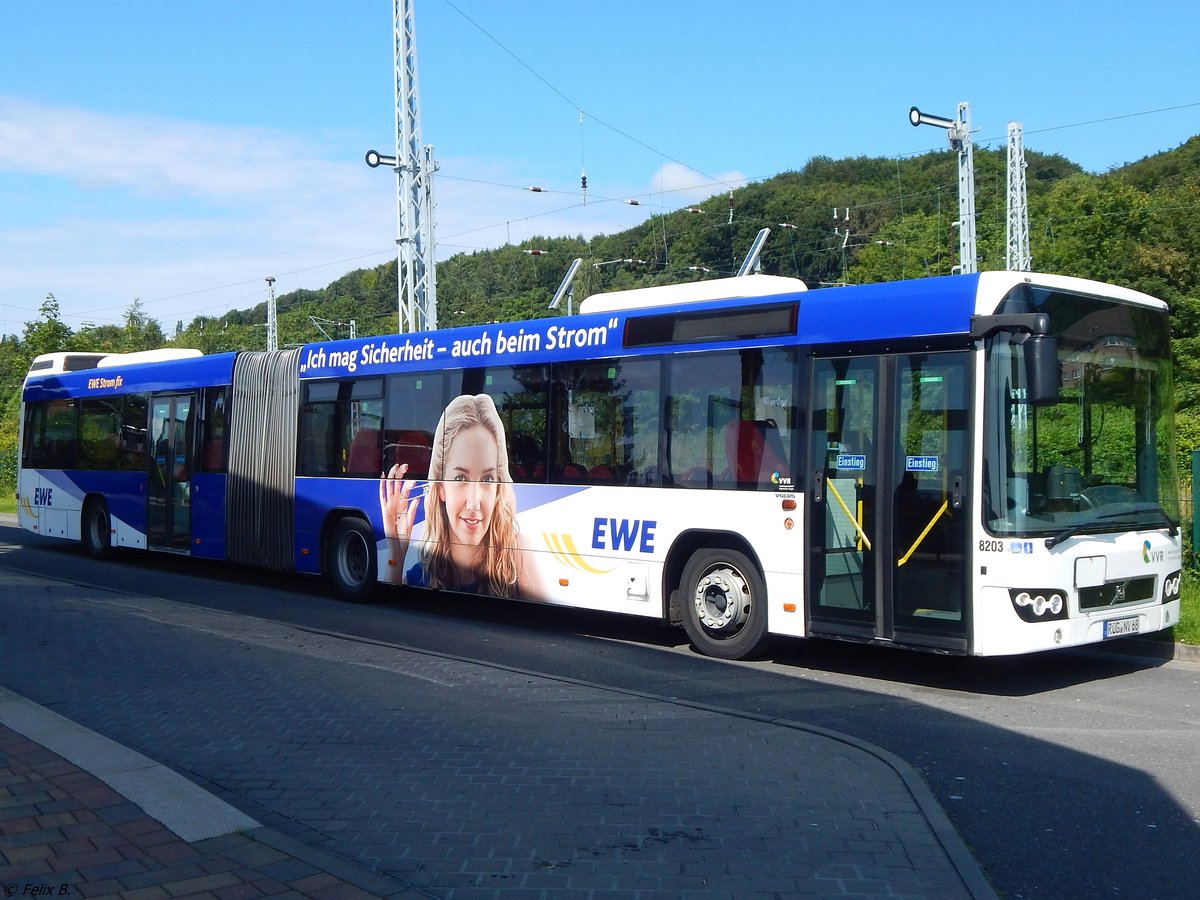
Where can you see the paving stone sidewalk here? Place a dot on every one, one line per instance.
(440, 777)
(65, 833)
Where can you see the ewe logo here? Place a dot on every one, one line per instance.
(1151, 556)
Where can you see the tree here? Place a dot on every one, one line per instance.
(916, 246)
(1094, 230)
(48, 334)
(141, 331)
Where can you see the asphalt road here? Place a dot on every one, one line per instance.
(1069, 774)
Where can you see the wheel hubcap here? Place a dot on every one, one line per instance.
(723, 600)
(354, 559)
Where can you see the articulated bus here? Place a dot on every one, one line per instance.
(976, 464)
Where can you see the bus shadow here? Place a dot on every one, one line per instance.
(1014, 676)
(1043, 818)
(1001, 676)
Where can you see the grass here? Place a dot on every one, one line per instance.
(1188, 629)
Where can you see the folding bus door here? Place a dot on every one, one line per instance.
(887, 512)
(168, 492)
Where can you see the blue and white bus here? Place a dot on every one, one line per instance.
(977, 464)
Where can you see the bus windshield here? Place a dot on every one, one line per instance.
(1100, 458)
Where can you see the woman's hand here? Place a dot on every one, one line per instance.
(398, 506)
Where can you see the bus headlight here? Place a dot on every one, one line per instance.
(1039, 604)
(1172, 586)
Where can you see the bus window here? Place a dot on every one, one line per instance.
(317, 455)
(132, 442)
(212, 446)
(50, 435)
(609, 416)
(732, 419)
(365, 455)
(361, 427)
(521, 396)
(100, 434)
(414, 405)
(341, 428)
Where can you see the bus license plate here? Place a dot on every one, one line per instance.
(1120, 627)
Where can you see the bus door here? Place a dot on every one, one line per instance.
(887, 515)
(168, 494)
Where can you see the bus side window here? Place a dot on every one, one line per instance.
(54, 435)
(754, 452)
(366, 453)
(213, 458)
(134, 420)
(523, 396)
(409, 448)
(317, 456)
(99, 434)
(212, 450)
(605, 422)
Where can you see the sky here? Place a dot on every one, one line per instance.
(180, 153)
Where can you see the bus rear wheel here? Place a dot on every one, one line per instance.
(724, 604)
(96, 529)
(350, 560)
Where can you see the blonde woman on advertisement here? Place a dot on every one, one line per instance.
(471, 542)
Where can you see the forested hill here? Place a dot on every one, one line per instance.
(1138, 226)
(899, 216)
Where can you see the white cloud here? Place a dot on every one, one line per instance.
(680, 186)
(153, 156)
(191, 217)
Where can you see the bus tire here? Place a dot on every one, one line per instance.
(350, 563)
(95, 526)
(724, 603)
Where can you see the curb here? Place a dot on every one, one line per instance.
(1148, 648)
(192, 813)
(186, 809)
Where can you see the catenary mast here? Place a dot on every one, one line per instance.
(1017, 256)
(414, 167)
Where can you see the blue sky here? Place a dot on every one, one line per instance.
(179, 153)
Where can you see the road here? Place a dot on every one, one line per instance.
(1068, 774)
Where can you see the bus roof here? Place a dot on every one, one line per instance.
(174, 373)
(145, 356)
(63, 361)
(76, 361)
(918, 308)
(748, 286)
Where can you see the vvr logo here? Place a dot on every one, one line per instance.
(1151, 556)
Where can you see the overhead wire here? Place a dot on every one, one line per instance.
(712, 180)
(575, 106)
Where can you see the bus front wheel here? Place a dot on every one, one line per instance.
(96, 528)
(724, 604)
(350, 560)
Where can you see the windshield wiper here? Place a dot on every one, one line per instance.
(1075, 528)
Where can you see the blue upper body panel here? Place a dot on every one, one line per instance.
(171, 375)
(898, 309)
(930, 306)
